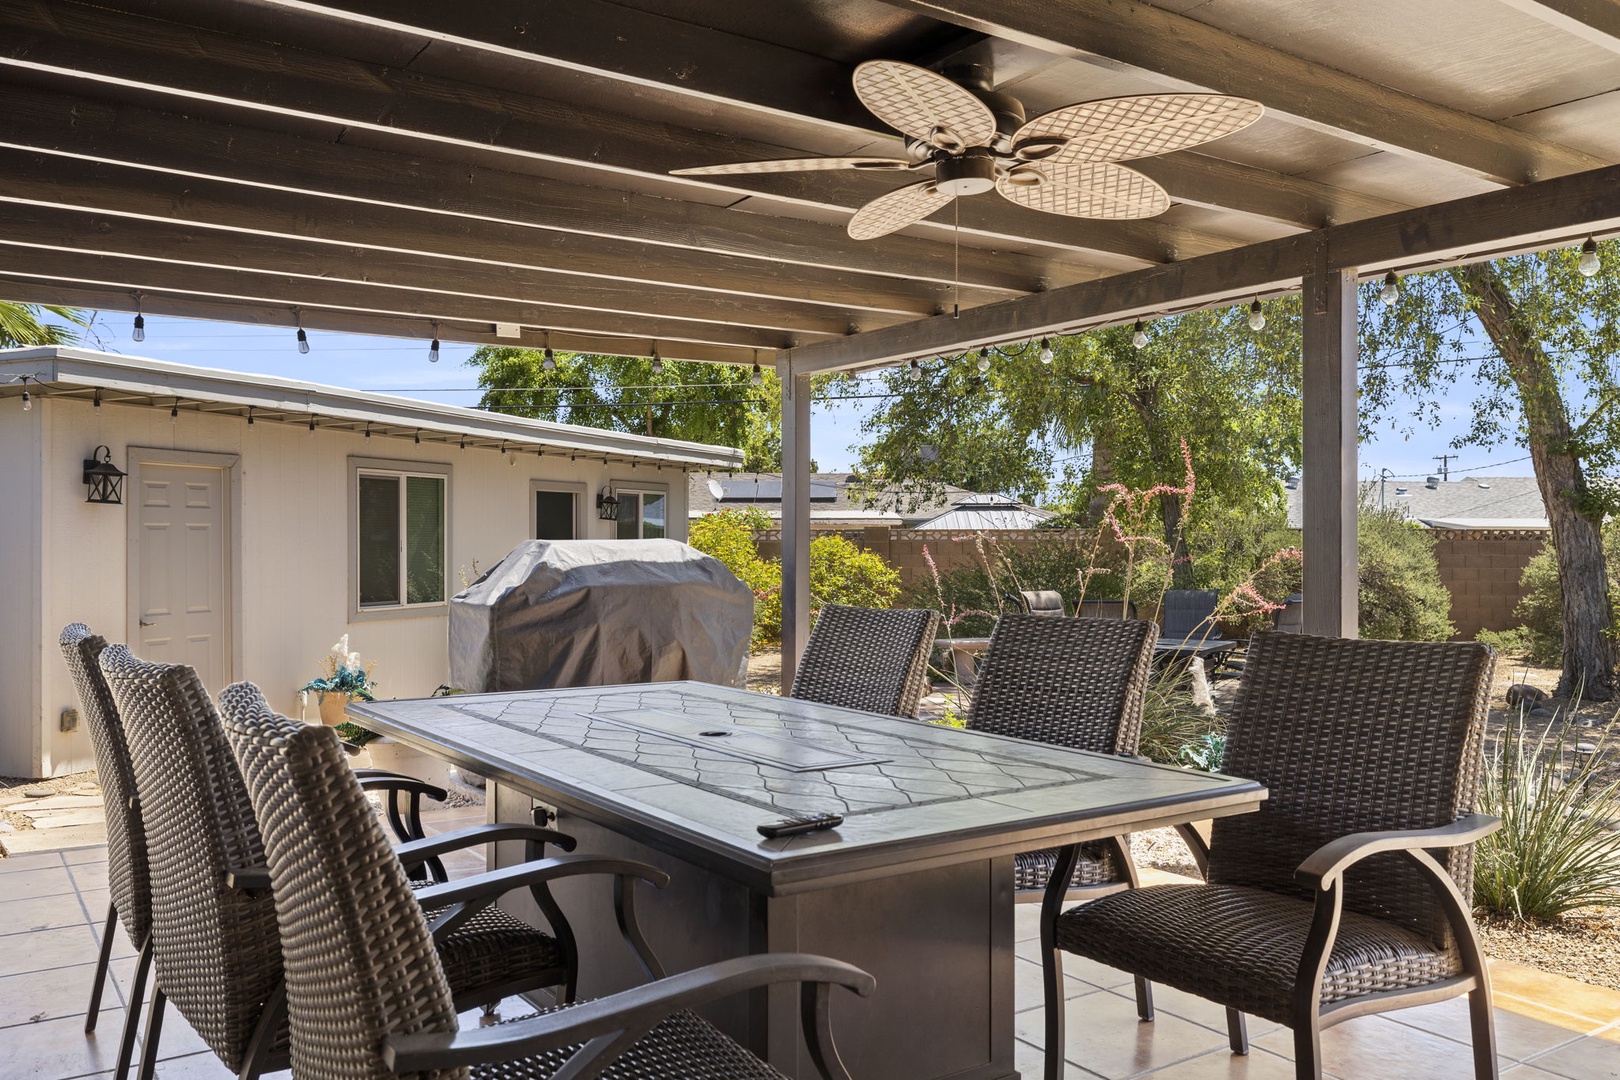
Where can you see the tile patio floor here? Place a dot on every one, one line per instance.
(52, 905)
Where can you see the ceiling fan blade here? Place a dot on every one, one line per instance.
(1083, 189)
(924, 105)
(793, 165)
(1119, 129)
(899, 208)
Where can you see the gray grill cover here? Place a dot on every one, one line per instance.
(557, 613)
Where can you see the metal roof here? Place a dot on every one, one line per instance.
(1477, 502)
(123, 380)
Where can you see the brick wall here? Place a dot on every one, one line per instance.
(1481, 569)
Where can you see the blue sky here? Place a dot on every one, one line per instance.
(393, 365)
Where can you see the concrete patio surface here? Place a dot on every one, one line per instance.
(53, 903)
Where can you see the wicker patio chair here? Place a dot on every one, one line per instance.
(863, 658)
(1187, 614)
(128, 877)
(1047, 602)
(214, 939)
(1105, 609)
(366, 993)
(1348, 892)
(1290, 618)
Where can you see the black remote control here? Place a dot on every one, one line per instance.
(797, 825)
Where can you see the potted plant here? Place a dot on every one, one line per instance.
(345, 680)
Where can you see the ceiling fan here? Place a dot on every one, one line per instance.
(973, 139)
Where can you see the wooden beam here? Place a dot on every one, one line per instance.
(1187, 51)
(95, 297)
(795, 520)
(84, 129)
(1329, 441)
(1596, 21)
(676, 58)
(116, 233)
(1478, 227)
(280, 85)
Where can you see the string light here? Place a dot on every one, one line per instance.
(28, 402)
(1589, 263)
(96, 401)
(1139, 335)
(368, 429)
(433, 349)
(139, 332)
(174, 411)
(914, 372)
(250, 416)
(1257, 318)
(657, 362)
(312, 423)
(1391, 292)
(550, 362)
(984, 359)
(303, 338)
(418, 438)
(1046, 351)
(758, 376)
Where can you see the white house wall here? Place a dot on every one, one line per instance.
(291, 511)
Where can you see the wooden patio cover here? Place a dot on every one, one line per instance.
(412, 167)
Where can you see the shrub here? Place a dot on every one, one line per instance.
(841, 573)
(1539, 638)
(1171, 722)
(1556, 851)
(1402, 598)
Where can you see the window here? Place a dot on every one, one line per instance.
(400, 534)
(642, 514)
(554, 514)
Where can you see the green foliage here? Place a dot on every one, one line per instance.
(708, 403)
(840, 572)
(1172, 724)
(1556, 851)
(354, 734)
(1539, 637)
(24, 324)
(1401, 596)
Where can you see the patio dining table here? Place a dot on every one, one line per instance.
(915, 886)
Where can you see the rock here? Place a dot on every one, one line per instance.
(1525, 694)
(39, 792)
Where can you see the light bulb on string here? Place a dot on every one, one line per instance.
(433, 349)
(984, 360)
(914, 372)
(174, 412)
(1046, 350)
(303, 338)
(139, 331)
(1257, 318)
(1589, 263)
(96, 401)
(28, 402)
(657, 363)
(550, 361)
(757, 378)
(1139, 335)
(1391, 292)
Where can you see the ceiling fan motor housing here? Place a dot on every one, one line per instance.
(970, 174)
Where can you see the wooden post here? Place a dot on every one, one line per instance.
(795, 519)
(1329, 535)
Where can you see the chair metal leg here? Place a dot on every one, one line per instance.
(1483, 1024)
(1052, 994)
(132, 1010)
(1308, 1051)
(264, 1034)
(1237, 1031)
(1144, 999)
(101, 969)
(154, 1031)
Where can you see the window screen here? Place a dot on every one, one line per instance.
(379, 540)
(554, 515)
(652, 517)
(424, 539)
(629, 515)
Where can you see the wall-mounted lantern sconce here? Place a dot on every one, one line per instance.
(607, 505)
(104, 479)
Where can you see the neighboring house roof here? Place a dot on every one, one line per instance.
(1475, 502)
(60, 370)
(841, 499)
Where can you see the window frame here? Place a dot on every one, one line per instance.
(400, 470)
(581, 492)
(639, 488)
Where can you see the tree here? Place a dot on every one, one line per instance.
(708, 403)
(1230, 392)
(1550, 345)
(21, 324)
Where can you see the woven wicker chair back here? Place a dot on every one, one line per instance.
(1070, 682)
(1046, 602)
(862, 658)
(216, 949)
(1188, 612)
(360, 964)
(1350, 736)
(128, 878)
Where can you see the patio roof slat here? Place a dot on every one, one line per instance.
(1597, 21)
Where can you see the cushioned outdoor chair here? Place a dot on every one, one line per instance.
(862, 658)
(1290, 618)
(214, 940)
(128, 879)
(367, 996)
(1188, 614)
(1348, 891)
(1047, 602)
(1105, 609)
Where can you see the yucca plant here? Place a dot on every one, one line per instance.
(1558, 849)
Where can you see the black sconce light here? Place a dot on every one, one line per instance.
(607, 505)
(104, 479)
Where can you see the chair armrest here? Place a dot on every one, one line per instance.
(639, 1010)
(379, 780)
(247, 877)
(1327, 863)
(415, 851)
(498, 882)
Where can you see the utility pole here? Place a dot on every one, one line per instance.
(1445, 463)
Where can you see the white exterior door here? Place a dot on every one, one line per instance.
(180, 564)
